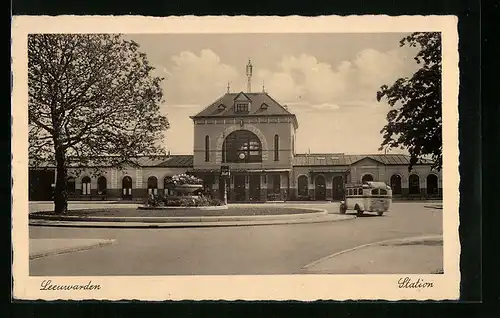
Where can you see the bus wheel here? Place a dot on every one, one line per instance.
(380, 213)
(342, 209)
(359, 212)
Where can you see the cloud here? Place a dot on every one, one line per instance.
(197, 78)
(305, 81)
(325, 106)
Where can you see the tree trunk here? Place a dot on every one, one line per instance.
(61, 193)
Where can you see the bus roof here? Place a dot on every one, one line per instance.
(369, 184)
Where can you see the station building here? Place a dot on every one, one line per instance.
(255, 136)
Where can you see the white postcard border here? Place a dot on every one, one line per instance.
(263, 287)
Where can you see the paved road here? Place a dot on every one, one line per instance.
(273, 249)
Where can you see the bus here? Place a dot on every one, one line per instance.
(370, 196)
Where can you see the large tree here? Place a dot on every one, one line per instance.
(93, 100)
(415, 120)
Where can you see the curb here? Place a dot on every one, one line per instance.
(400, 241)
(84, 224)
(70, 249)
(184, 219)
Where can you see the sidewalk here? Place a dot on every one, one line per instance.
(422, 255)
(46, 247)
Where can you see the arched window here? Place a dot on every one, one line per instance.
(86, 185)
(276, 147)
(101, 185)
(303, 186)
(414, 184)
(432, 184)
(127, 186)
(71, 185)
(167, 185)
(242, 146)
(152, 185)
(207, 148)
(396, 184)
(366, 178)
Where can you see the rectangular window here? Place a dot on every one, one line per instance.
(207, 148)
(242, 108)
(276, 183)
(276, 147)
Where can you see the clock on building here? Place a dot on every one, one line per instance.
(241, 155)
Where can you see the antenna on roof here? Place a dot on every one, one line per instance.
(228, 87)
(263, 87)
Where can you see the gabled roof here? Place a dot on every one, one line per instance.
(257, 99)
(347, 160)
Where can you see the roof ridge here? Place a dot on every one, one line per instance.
(286, 110)
(210, 105)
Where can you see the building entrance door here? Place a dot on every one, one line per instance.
(320, 188)
(254, 185)
(127, 188)
(338, 188)
(239, 188)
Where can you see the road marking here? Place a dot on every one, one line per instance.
(408, 239)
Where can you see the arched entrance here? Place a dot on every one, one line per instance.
(242, 146)
(320, 188)
(432, 185)
(303, 186)
(153, 185)
(396, 184)
(101, 185)
(414, 184)
(338, 188)
(127, 187)
(367, 178)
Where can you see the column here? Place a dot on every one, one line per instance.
(263, 187)
(215, 186)
(231, 194)
(311, 185)
(247, 188)
(329, 186)
(284, 186)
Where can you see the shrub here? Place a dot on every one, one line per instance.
(182, 179)
(154, 201)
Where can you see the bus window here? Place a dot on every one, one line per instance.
(360, 191)
(383, 192)
(349, 192)
(375, 192)
(355, 191)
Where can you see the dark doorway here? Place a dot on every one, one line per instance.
(396, 184)
(127, 187)
(239, 188)
(254, 185)
(320, 188)
(432, 185)
(338, 188)
(414, 184)
(40, 185)
(367, 178)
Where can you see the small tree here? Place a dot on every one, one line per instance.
(415, 122)
(92, 100)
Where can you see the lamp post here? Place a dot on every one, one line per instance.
(225, 173)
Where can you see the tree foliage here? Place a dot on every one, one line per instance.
(415, 120)
(93, 100)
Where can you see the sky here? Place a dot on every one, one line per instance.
(329, 81)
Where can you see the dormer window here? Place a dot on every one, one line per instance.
(241, 107)
(263, 106)
(222, 107)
